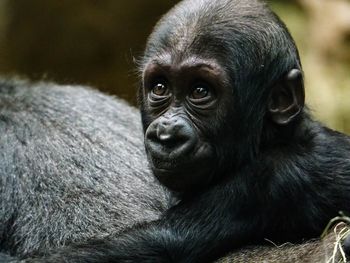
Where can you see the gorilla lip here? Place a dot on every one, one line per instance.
(178, 162)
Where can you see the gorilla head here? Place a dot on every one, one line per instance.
(220, 79)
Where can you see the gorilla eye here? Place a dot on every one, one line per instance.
(160, 89)
(200, 91)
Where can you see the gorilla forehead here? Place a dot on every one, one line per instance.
(244, 36)
(206, 27)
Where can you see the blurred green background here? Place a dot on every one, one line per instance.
(95, 42)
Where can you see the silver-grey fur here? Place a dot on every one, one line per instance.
(72, 167)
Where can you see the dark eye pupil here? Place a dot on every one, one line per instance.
(199, 93)
(159, 89)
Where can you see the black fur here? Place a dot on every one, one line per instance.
(72, 167)
(281, 182)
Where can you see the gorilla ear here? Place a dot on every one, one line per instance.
(287, 98)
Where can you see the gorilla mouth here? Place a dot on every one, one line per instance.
(174, 162)
(185, 171)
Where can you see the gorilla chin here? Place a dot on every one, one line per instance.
(180, 174)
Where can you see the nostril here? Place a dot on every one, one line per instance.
(165, 137)
(166, 131)
(171, 136)
(168, 138)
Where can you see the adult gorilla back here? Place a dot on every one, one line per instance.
(72, 167)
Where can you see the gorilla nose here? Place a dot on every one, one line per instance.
(171, 133)
(170, 137)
